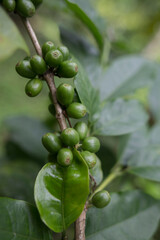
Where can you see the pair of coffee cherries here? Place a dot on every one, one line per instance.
(25, 8)
(70, 137)
(58, 60)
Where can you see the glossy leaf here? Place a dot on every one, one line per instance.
(88, 95)
(129, 216)
(97, 172)
(145, 163)
(10, 37)
(120, 117)
(20, 221)
(87, 14)
(22, 174)
(27, 133)
(125, 75)
(61, 193)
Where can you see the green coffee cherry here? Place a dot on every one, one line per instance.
(65, 157)
(54, 58)
(76, 110)
(65, 94)
(101, 199)
(9, 5)
(33, 87)
(65, 52)
(47, 46)
(51, 142)
(24, 69)
(82, 129)
(90, 158)
(38, 65)
(70, 137)
(67, 69)
(51, 109)
(37, 3)
(25, 8)
(91, 144)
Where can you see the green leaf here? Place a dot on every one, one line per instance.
(87, 14)
(129, 216)
(97, 172)
(27, 132)
(145, 163)
(131, 144)
(120, 117)
(22, 174)
(125, 75)
(20, 221)
(61, 193)
(88, 95)
(10, 37)
(154, 105)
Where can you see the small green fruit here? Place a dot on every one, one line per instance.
(65, 157)
(65, 94)
(76, 110)
(82, 129)
(51, 142)
(54, 58)
(70, 137)
(37, 3)
(67, 69)
(9, 5)
(91, 144)
(101, 199)
(47, 46)
(38, 65)
(24, 69)
(33, 87)
(51, 109)
(25, 8)
(90, 158)
(65, 52)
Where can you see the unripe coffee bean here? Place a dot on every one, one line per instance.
(70, 137)
(65, 157)
(90, 158)
(76, 110)
(67, 69)
(51, 142)
(24, 69)
(25, 8)
(47, 46)
(65, 94)
(101, 199)
(33, 87)
(54, 58)
(38, 65)
(91, 144)
(82, 129)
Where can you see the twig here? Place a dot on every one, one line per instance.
(80, 225)
(49, 77)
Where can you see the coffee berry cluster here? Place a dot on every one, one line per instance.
(25, 8)
(60, 145)
(55, 59)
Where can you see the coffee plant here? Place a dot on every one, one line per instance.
(95, 169)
